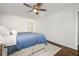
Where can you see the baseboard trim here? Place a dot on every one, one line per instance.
(59, 45)
(78, 50)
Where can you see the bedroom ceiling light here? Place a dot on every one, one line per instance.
(35, 10)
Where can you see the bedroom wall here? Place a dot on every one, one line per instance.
(78, 28)
(42, 26)
(0, 18)
(63, 28)
(20, 24)
(60, 27)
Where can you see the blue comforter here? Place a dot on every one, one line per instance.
(25, 40)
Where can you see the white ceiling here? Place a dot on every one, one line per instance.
(20, 10)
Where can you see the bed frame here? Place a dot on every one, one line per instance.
(29, 51)
(24, 52)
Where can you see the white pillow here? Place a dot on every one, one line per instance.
(4, 31)
(13, 32)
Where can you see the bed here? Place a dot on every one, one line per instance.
(26, 40)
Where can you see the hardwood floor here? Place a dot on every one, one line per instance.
(65, 51)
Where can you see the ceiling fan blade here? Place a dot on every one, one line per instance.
(29, 11)
(42, 9)
(39, 4)
(27, 5)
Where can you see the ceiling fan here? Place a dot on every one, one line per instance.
(35, 8)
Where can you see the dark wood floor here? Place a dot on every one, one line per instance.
(65, 51)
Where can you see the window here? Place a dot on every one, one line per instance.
(31, 26)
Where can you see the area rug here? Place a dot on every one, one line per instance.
(49, 50)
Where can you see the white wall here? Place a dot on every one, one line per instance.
(78, 28)
(61, 28)
(15, 22)
(0, 18)
(42, 26)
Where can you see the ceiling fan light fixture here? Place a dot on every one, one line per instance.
(35, 10)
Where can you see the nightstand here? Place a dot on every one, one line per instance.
(0, 49)
(3, 50)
